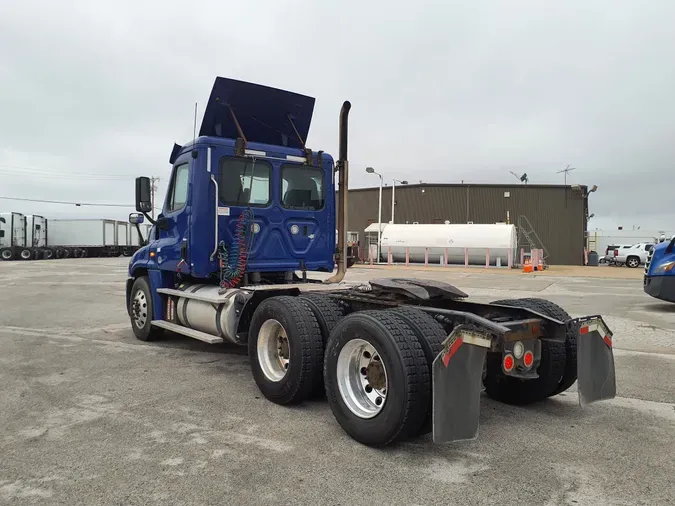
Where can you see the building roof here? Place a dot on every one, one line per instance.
(464, 185)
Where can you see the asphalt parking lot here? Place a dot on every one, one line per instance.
(90, 415)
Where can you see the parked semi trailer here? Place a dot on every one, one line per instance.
(84, 238)
(34, 237)
(395, 357)
(13, 236)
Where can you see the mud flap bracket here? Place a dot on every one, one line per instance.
(457, 385)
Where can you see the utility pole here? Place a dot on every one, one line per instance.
(153, 189)
(370, 170)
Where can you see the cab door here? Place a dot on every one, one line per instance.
(171, 247)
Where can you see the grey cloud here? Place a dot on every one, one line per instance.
(440, 92)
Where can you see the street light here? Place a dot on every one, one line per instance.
(393, 191)
(370, 170)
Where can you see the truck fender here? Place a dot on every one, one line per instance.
(250, 302)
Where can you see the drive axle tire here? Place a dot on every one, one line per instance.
(553, 369)
(285, 349)
(328, 312)
(49, 253)
(141, 311)
(431, 336)
(376, 377)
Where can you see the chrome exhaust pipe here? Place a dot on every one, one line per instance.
(343, 180)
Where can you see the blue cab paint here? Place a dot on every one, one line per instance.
(288, 237)
(659, 279)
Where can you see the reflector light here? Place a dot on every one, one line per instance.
(509, 362)
(528, 359)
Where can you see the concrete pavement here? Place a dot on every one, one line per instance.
(90, 415)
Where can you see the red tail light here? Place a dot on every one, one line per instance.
(509, 362)
(616, 252)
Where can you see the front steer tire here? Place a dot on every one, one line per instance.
(408, 388)
(554, 371)
(285, 349)
(141, 311)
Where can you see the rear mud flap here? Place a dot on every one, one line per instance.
(457, 385)
(596, 378)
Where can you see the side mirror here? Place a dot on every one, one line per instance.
(143, 195)
(135, 218)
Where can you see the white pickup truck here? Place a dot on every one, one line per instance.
(633, 256)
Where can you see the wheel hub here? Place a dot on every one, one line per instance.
(274, 352)
(375, 375)
(139, 309)
(362, 378)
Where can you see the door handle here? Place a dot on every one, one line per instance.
(183, 250)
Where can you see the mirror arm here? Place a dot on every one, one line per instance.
(149, 218)
(142, 242)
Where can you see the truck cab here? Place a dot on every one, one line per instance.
(659, 278)
(246, 190)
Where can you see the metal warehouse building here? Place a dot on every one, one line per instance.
(550, 217)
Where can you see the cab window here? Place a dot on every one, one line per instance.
(179, 188)
(244, 182)
(302, 187)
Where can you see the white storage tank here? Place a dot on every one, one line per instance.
(499, 239)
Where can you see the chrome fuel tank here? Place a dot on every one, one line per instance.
(216, 317)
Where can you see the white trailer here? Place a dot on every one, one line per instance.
(84, 238)
(122, 231)
(13, 243)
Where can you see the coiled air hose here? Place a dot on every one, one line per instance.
(233, 260)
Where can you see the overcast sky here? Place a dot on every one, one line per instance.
(94, 93)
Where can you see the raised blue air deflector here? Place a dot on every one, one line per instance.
(262, 113)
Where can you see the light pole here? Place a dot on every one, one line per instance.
(370, 170)
(393, 191)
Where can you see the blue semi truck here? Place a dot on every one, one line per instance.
(251, 212)
(659, 277)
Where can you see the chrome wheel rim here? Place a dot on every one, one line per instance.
(25, 254)
(632, 262)
(7, 254)
(273, 350)
(362, 378)
(140, 309)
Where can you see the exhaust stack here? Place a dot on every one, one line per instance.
(343, 169)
